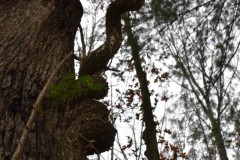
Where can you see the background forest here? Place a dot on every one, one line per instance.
(160, 78)
(190, 53)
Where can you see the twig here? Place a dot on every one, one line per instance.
(30, 122)
(83, 42)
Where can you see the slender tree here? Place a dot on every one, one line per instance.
(205, 46)
(149, 134)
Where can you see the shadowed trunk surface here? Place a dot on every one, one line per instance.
(34, 37)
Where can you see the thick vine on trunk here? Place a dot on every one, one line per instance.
(105, 52)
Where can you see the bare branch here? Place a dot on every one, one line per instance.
(83, 42)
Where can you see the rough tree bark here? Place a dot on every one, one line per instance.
(34, 37)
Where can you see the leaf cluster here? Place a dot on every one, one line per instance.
(69, 87)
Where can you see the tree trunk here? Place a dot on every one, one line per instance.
(149, 133)
(216, 130)
(34, 37)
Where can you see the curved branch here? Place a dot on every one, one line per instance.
(106, 51)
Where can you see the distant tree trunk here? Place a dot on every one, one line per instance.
(34, 37)
(149, 133)
(217, 133)
(216, 129)
(207, 109)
